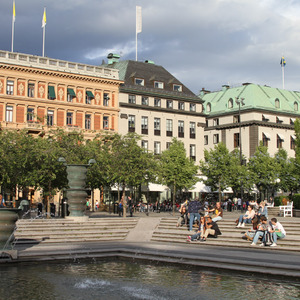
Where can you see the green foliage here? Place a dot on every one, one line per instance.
(296, 200)
(278, 200)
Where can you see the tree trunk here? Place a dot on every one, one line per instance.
(124, 201)
(220, 195)
(174, 197)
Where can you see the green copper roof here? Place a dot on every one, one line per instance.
(255, 97)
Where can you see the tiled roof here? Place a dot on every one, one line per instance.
(255, 97)
(129, 70)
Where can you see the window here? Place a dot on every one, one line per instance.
(181, 105)
(193, 152)
(295, 106)
(106, 99)
(88, 97)
(105, 122)
(10, 87)
(131, 123)
(265, 139)
(88, 121)
(277, 103)
(168, 144)
(169, 127)
(278, 120)
(50, 117)
(293, 143)
(216, 122)
(208, 107)
(51, 92)
(181, 129)
(69, 118)
(192, 107)
(156, 147)
(157, 102)
(292, 121)
(264, 118)
(169, 104)
(192, 130)
(30, 114)
(158, 84)
(216, 139)
(70, 95)
(279, 141)
(131, 99)
(31, 90)
(145, 100)
(177, 87)
(206, 140)
(236, 119)
(156, 126)
(144, 145)
(144, 125)
(139, 81)
(9, 113)
(236, 140)
(230, 103)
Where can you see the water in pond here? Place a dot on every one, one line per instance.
(134, 280)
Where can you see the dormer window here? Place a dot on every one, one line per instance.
(230, 103)
(139, 81)
(277, 103)
(177, 87)
(295, 106)
(158, 84)
(208, 107)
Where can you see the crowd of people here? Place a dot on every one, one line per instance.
(195, 215)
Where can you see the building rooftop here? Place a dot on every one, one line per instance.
(153, 80)
(27, 60)
(254, 96)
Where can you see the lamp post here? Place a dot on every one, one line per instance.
(239, 102)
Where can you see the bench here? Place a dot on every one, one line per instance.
(286, 210)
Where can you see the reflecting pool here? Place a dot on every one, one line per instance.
(119, 279)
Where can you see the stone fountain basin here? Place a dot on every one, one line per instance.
(8, 218)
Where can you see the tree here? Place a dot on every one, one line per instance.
(263, 169)
(177, 171)
(217, 167)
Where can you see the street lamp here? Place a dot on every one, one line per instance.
(240, 101)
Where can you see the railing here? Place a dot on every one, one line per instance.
(57, 65)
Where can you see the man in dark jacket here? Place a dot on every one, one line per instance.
(193, 211)
(212, 228)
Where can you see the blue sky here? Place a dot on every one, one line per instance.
(204, 43)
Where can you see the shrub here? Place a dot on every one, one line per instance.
(296, 199)
(281, 200)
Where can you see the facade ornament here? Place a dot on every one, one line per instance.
(97, 97)
(21, 88)
(61, 94)
(1, 86)
(79, 96)
(41, 91)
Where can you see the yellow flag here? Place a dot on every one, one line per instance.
(14, 12)
(44, 20)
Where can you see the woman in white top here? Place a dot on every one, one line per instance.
(247, 217)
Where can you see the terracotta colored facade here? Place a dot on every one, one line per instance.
(40, 94)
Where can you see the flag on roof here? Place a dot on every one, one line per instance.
(14, 12)
(44, 20)
(282, 62)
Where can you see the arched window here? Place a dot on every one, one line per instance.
(295, 106)
(230, 103)
(277, 103)
(208, 107)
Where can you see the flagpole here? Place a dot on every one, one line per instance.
(138, 27)
(44, 30)
(282, 67)
(13, 28)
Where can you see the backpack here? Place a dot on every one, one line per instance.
(268, 239)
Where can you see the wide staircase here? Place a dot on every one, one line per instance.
(68, 231)
(231, 236)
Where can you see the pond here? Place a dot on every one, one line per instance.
(120, 279)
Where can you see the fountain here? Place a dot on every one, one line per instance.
(8, 218)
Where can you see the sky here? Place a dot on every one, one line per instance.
(203, 43)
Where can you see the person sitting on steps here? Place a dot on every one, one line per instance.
(197, 235)
(211, 228)
(277, 231)
(247, 217)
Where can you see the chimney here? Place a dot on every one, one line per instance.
(203, 92)
(113, 58)
(225, 87)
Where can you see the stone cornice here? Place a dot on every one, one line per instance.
(250, 123)
(60, 74)
(160, 109)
